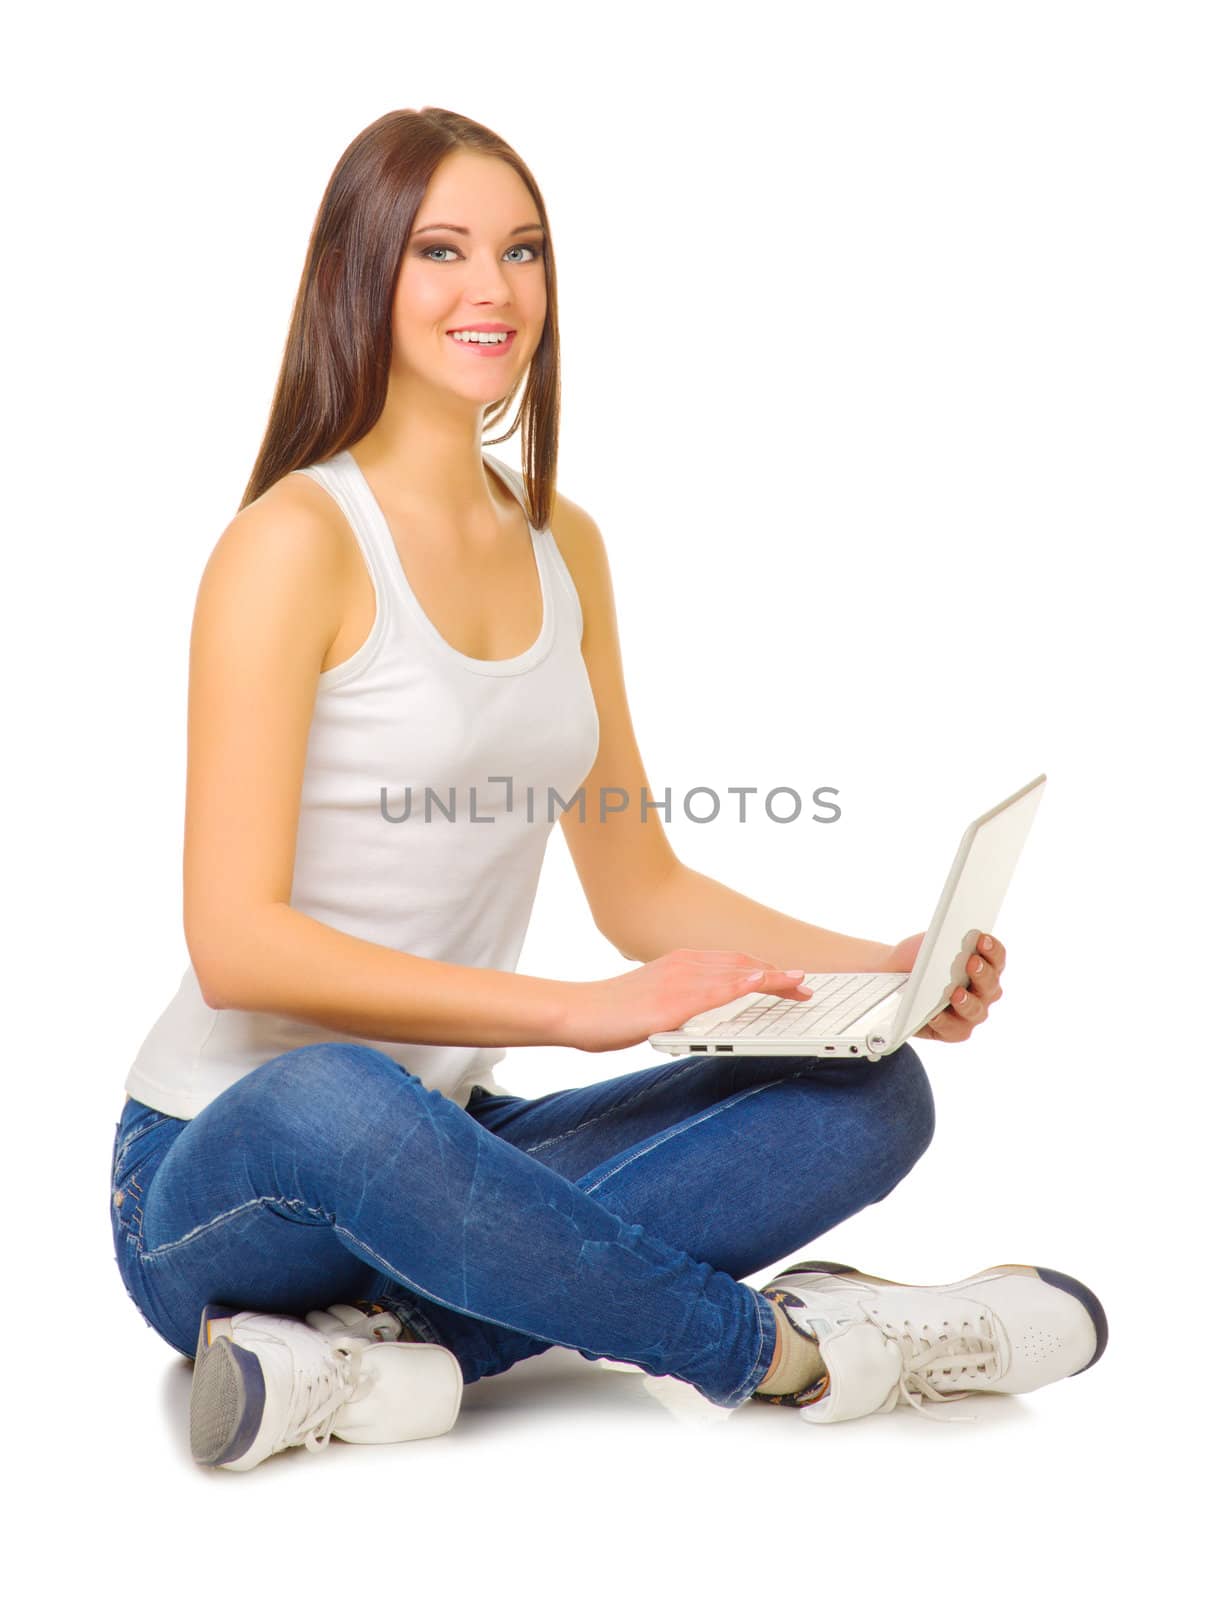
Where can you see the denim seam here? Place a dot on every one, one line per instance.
(747, 1387)
(133, 1224)
(641, 1094)
(224, 1216)
(393, 1273)
(133, 1139)
(682, 1127)
(428, 1294)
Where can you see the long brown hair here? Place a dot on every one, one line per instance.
(334, 376)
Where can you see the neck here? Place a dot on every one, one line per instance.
(430, 465)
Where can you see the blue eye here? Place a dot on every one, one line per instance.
(425, 251)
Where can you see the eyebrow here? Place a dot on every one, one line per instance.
(451, 227)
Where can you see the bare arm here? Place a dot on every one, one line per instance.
(294, 966)
(268, 609)
(643, 898)
(687, 908)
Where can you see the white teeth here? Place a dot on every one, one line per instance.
(481, 338)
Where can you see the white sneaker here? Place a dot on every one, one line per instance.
(263, 1383)
(1009, 1329)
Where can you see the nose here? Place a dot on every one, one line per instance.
(487, 280)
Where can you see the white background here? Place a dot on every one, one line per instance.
(887, 352)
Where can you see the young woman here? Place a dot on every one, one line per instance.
(313, 1122)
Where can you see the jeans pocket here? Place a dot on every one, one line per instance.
(140, 1141)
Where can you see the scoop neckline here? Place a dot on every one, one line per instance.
(506, 665)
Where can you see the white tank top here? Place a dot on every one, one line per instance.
(406, 713)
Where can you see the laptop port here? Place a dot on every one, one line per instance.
(699, 1047)
(725, 1049)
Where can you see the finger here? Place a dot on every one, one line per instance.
(967, 1005)
(948, 1027)
(927, 1032)
(995, 954)
(984, 980)
(757, 961)
(774, 980)
(945, 1033)
(953, 1023)
(752, 963)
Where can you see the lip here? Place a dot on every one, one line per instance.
(483, 327)
(484, 352)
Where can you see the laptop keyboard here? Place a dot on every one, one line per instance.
(838, 999)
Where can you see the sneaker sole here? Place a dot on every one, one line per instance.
(228, 1397)
(1059, 1280)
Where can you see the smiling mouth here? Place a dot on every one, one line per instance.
(484, 347)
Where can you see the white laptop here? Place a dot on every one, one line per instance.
(874, 1013)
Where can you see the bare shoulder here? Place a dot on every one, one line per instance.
(580, 541)
(295, 538)
(295, 517)
(572, 525)
(280, 569)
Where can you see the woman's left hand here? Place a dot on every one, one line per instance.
(969, 1006)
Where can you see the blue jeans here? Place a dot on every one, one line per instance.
(614, 1219)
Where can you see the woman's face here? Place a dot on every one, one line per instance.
(492, 273)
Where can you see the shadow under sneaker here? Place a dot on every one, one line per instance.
(1007, 1330)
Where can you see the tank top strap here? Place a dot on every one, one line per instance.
(341, 477)
(343, 480)
(515, 482)
(548, 552)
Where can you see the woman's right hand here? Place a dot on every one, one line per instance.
(615, 1012)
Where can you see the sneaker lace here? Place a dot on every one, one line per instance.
(929, 1352)
(319, 1389)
